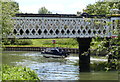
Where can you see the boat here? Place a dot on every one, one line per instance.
(54, 53)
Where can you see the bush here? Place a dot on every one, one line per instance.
(99, 66)
(6, 42)
(23, 42)
(17, 42)
(18, 73)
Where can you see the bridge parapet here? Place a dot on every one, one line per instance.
(56, 27)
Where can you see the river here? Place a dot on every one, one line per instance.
(55, 68)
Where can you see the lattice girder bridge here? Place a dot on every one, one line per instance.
(60, 27)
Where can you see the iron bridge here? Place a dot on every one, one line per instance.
(61, 26)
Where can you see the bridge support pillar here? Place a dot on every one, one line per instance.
(84, 60)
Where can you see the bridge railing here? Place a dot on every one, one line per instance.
(56, 27)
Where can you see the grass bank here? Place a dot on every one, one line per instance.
(18, 73)
(61, 42)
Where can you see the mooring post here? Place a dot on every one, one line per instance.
(84, 60)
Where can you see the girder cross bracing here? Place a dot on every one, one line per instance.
(58, 27)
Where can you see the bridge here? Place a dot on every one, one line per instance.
(83, 27)
(59, 26)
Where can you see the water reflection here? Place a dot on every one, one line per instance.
(54, 68)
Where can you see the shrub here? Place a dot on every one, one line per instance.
(17, 42)
(18, 73)
(99, 66)
(24, 42)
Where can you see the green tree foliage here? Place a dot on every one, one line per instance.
(114, 48)
(43, 10)
(78, 12)
(101, 8)
(9, 9)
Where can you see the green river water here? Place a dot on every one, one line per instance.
(55, 69)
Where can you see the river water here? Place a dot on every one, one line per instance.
(55, 68)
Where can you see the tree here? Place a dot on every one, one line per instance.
(104, 8)
(43, 10)
(78, 12)
(9, 9)
(100, 8)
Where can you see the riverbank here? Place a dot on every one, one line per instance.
(70, 50)
(59, 42)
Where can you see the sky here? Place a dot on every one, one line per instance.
(55, 6)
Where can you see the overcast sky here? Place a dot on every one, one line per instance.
(55, 6)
